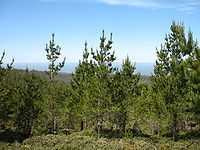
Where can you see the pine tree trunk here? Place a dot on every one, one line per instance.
(54, 116)
(124, 122)
(174, 127)
(98, 128)
(54, 125)
(98, 121)
(29, 128)
(82, 125)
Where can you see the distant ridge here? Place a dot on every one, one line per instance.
(143, 68)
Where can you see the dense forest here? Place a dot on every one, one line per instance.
(102, 101)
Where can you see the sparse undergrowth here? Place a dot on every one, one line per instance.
(79, 141)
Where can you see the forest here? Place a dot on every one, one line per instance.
(103, 107)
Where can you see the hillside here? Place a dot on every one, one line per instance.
(66, 77)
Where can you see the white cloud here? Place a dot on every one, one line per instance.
(139, 3)
(187, 6)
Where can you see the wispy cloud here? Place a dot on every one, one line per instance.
(139, 3)
(187, 6)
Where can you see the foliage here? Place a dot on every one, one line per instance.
(29, 103)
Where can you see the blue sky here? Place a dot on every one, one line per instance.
(138, 26)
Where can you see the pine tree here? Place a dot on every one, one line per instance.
(193, 73)
(53, 54)
(29, 104)
(5, 91)
(90, 94)
(102, 59)
(125, 90)
(81, 86)
(170, 72)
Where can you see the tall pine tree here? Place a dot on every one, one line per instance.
(170, 77)
(81, 88)
(103, 60)
(53, 54)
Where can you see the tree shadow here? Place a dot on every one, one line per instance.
(109, 133)
(190, 135)
(9, 136)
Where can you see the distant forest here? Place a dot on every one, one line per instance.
(103, 100)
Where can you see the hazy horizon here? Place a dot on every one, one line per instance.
(143, 68)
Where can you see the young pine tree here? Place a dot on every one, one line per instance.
(170, 79)
(102, 60)
(53, 54)
(125, 89)
(29, 104)
(81, 87)
(6, 107)
(193, 73)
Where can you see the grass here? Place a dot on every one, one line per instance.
(83, 141)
